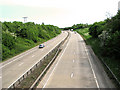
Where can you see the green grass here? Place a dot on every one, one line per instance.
(21, 45)
(84, 33)
(95, 44)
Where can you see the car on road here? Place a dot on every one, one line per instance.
(41, 45)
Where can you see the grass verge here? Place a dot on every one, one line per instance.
(114, 65)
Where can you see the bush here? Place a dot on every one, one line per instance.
(112, 45)
(5, 52)
(8, 40)
(18, 37)
(96, 29)
(108, 32)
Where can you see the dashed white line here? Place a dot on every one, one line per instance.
(72, 75)
(33, 55)
(18, 58)
(20, 64)
(55, 67)
(22, 56)
(34, 64)
(73, 60)
(74, 53)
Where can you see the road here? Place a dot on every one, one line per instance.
(13, 68)
(76, 68)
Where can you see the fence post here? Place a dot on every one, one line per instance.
(19, 81)
(36, 65)
(30, 70)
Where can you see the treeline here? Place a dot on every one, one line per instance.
(108, 33)
(76, 26)
(18, 37)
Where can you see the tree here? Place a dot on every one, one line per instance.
(8, 40)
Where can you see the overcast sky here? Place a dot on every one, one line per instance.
(62, 13)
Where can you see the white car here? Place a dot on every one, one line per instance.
(41, 45)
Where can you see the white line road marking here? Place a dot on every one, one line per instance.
(72, 75)
(20, 64)
(0, 77)
(83, 57)
(90, 64)
(35, 63)
(17, 58)
(22, 55)
(33, 55)
(74, 53)
(73, 60)
(55, 66)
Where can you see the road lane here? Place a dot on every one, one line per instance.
(13, 69)
(74, 68)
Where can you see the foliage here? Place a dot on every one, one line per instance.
(96, 28)
(104, 38)
(84, 32)
(18, 37)
(8, 40)
(95, 44)
(108, 32)
(77, 26)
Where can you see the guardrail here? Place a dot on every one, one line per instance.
(44, 71)
(29, 71)
(113, 77)
(108, 71)
(47, 67)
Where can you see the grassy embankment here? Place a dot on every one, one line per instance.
(18, 37)
(95, 44)
(22, 45)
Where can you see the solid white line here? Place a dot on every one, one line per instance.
(91, 65)
(24, 54)
(71, 75)
(55, 66)
(36, 62)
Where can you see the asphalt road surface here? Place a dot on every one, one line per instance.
(12, 69)
(76, 68)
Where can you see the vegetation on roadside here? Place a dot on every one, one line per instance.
(95, 43)
(106, 35)
(76, 26)
(104, 38)
(18, 37)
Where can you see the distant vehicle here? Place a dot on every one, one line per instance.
(41, 45)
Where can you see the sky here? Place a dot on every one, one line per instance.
(61, 13)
